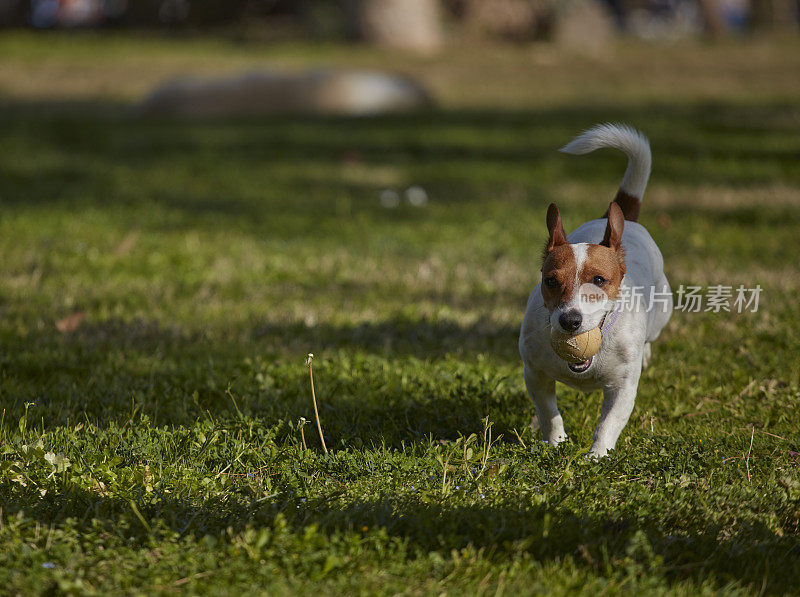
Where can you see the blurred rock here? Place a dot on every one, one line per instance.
(678, 21)
(512, 20)
(583, 25)
(265, 92)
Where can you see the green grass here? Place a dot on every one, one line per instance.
(155, 448)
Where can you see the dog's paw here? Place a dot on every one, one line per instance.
(555, 441)
(596, 453)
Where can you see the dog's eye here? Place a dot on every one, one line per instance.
(550, 282)
(599, 281)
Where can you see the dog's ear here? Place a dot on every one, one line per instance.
(616, 224)
(555, 228)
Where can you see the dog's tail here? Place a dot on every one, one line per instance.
(635, 145)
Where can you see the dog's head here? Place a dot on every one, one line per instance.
(580, 281)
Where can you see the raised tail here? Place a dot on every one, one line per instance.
(635, 145)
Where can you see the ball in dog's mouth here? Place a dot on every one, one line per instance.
(580, 367)
(577, 349)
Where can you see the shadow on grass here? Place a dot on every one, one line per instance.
(401, 336)
(434, 381)
(105, 136)
(617, 542)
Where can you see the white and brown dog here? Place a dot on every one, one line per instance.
(613, 257)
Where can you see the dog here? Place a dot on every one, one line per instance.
(613, 257)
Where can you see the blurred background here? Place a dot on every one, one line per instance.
(413, 24)
(437, 44)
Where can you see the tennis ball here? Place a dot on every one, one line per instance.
(576, 348)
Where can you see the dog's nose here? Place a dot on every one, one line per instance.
(570, 320)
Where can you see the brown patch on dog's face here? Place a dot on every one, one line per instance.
(605, 263)
(558, 276)
(603, 267)
(558, 267)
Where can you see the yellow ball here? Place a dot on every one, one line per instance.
(577, 348)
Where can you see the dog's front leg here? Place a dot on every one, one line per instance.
(616, 410)
(543, 391)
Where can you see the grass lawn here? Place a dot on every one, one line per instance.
(161, 283)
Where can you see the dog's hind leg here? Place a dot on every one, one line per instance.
(646, 355)
(542, 390)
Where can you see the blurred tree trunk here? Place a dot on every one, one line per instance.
(712, 17)
(405, 24)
